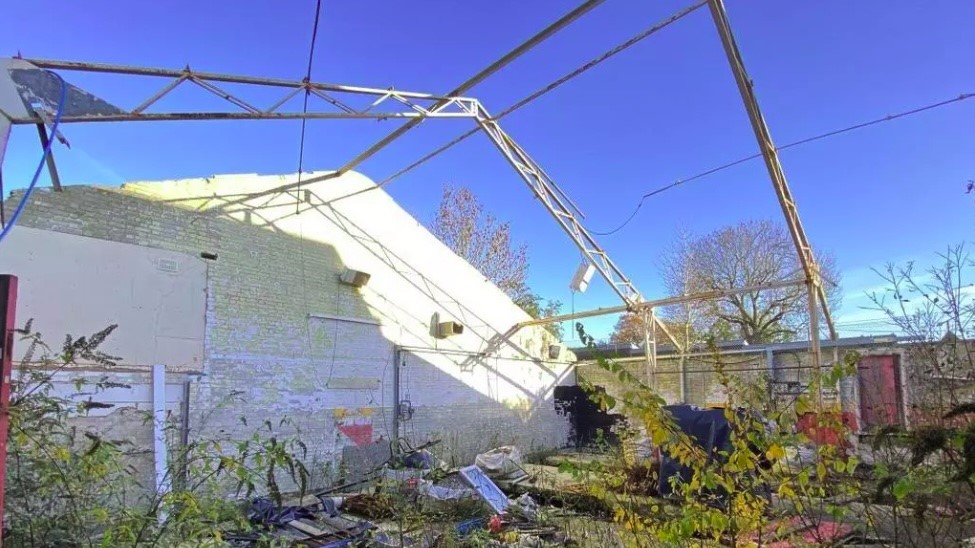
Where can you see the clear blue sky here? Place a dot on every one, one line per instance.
(665, 109)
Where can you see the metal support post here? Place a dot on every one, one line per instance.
(160, 449)
(8, 310)
(814, 347)
(650, 346)
(5, 127)
(683, 361)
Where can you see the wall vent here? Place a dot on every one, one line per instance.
(449, 329)
(167, 265)
(354, 278)
(554, 350)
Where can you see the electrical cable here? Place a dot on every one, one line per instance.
(304, 108)
(833, 133)
(533, 96)
(40, 165)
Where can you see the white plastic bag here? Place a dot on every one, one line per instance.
(501, 463)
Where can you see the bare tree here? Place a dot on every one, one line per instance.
(936, 309)
(747, 254)
(483, 241)
(687, 317)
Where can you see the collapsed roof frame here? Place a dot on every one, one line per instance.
(25, 102)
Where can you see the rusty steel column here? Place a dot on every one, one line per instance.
(8, 309)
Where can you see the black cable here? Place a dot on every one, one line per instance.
(304, 108)
(833, 133)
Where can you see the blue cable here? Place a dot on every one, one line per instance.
(40, 165)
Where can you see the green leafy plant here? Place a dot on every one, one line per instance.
(69, 485)
(729, 495)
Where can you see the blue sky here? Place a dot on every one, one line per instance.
(665, 109)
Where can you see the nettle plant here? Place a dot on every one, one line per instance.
(69, 484)
(740, 494)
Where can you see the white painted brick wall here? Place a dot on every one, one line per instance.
(276, 268)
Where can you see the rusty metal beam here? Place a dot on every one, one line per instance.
(190, 116)
(772, 163)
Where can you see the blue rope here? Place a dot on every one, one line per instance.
(40, 165)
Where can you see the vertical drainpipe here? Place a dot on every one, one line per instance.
(770, 365)
(158, 431)
(397, 363)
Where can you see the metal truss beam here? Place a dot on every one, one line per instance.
(656, 303)
(774, 166)
(30, 81)
(494, 67)
(565, 214)
(548, 193)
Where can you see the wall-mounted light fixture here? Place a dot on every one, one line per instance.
(580, 281)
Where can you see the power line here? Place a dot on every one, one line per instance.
(833, 133)
(535, 95)
(304, 108)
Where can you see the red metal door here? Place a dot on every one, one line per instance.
(880, 391)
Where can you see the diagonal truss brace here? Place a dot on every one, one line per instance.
(548, 193)
(565, 214)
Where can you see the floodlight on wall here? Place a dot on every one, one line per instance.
(354, 278)
(554, 350)
(449, 329)
(580, 281)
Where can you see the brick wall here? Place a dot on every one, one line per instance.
(285, 339)
(701, 384)
(790, 372)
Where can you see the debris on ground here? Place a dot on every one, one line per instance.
(502, 463)
(412, 500)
